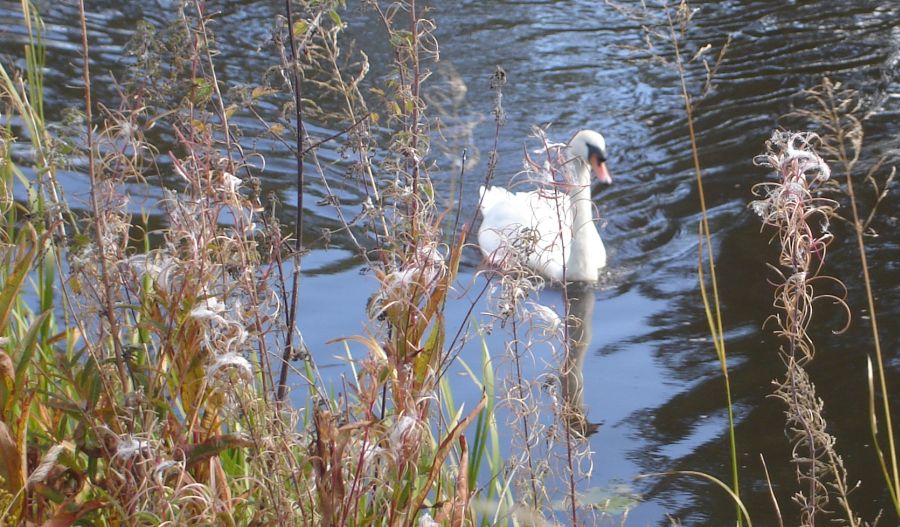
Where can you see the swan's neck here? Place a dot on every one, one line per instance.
(581, 264)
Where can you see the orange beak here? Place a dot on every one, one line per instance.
(600, 171)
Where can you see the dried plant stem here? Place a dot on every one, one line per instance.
(220, 105)
(859, 228)
(716, 326)
(775, 505)
(414, 115)
(349, 91)
(567, 351)
(298, 226)
(230, 147)
(567, 426)
(99, 222)
(529, 456)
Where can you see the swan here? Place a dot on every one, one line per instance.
(550, 231)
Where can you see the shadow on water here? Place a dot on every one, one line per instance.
(643, 365)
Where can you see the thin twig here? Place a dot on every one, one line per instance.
(298, 227)
(716, 325)
(859, 228)
(99, 221)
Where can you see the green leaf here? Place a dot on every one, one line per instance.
(26, 349)
(432, 349)
(14, 281)
(203, 93)
(213, 446)
(300, 28)
(336, 18)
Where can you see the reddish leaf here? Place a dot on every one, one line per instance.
(11, 466)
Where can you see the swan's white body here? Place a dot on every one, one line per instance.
(548, 230)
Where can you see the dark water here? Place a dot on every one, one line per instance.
(650, 371)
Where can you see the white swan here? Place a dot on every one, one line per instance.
(551, 232)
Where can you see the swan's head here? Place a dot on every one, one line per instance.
(589, 147)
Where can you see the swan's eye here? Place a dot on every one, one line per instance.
(594, 152)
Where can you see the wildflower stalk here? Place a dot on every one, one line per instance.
(790, 206)
(230, 168)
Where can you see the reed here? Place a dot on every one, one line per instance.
(706, 266)
(665, 27)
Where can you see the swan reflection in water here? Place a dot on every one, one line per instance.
(581, 311)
